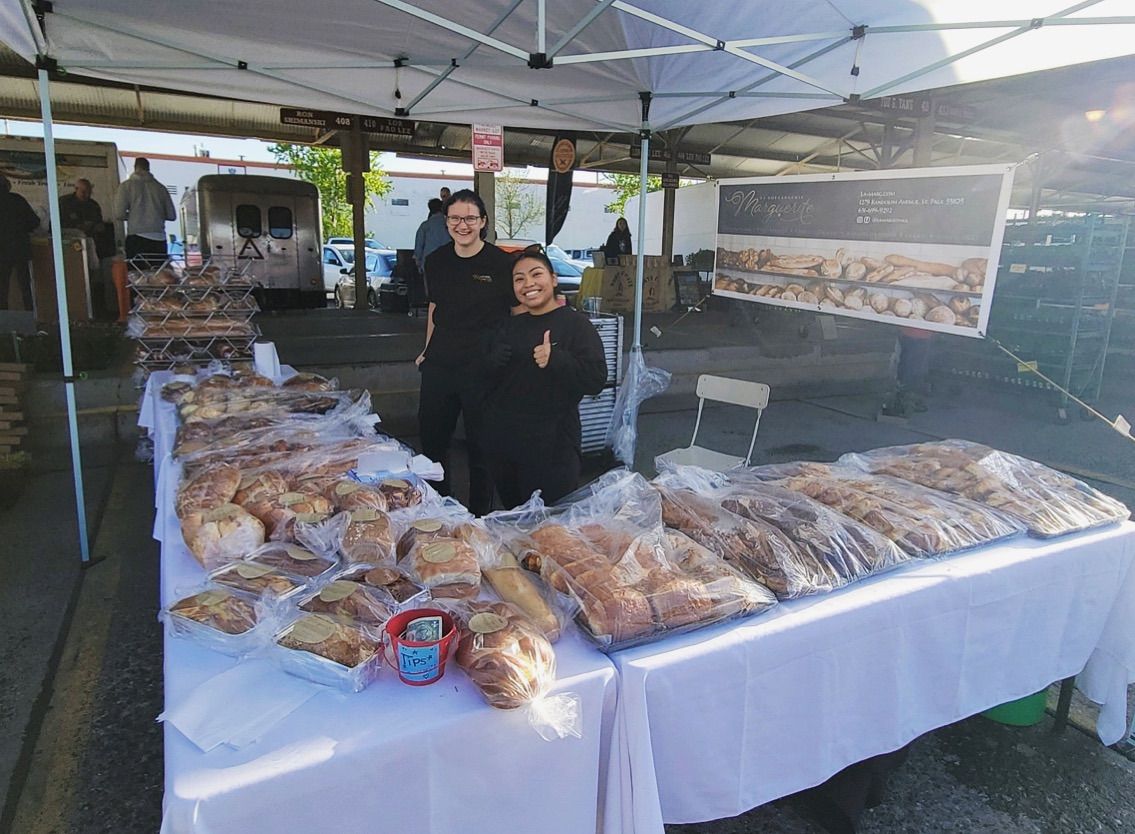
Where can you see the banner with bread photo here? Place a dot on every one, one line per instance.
(917, 247)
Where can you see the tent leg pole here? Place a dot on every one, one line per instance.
(64, 316)
(644, 161)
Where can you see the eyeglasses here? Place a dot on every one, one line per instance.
(468, 219)
(534, 249)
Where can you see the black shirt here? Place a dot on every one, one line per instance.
(17, 221)
(473, 297)
(534, 399)
(86, 215)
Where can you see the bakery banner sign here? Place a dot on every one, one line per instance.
(917, 247)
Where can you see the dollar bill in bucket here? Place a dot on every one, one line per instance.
(423, 629)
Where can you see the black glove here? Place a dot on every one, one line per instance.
(499, 354)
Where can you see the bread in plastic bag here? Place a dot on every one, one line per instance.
(330, 651)
(447, 566)
(252, 578)
(1049, 503)
(403, 590)
(754, 547)
(353, 601)
(841, 550)
(207, 490)
(221, 535)
(218, 619)
(609, 552)
(513, 665)
(924, 523)
(295, 561)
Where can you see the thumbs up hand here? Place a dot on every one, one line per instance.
(543, 351)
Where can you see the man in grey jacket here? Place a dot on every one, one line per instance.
(145, 205)
(432, 234)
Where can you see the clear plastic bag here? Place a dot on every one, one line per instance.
(248, 577)
(836, 549)
(640, 384)
(219, 619)
(609, 553)
(513, 665)
(330, 651)
(353, 601)
(1048, 502)
(925, 523)
(754, 547)
(295, 561)
(222, 535)
(404, 591)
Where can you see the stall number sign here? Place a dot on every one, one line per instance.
(488, 148)
(327, 120)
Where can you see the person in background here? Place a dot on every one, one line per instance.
(913, 372)
(469, 291)
(145, 205)
(79, 210)
(541, 364)
(619, 241)
(17, 221)
(444, 194)
(432, 234)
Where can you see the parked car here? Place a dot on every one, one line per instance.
(370, 242)
(336, 258)
(380, 265)
(568, 275)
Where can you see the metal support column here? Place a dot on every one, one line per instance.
(644, 163)
(64, 315)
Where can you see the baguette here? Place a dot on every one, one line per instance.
(929, 267)
(514, 585)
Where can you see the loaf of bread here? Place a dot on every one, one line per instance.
(513, 585)
(221, 535)
(329, 638)
(448, 567)
(219, 609)
(348, 495)
(369, 538)
(394, 581)
(757, 549)
(207, 490)
(1048, 502)
(256, 579)
(505, 655)
(349, 600)
(292, 559)
(267, 485)
(399, 493)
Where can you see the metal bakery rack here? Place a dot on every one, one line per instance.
(190, 315)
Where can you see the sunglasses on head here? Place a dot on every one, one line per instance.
(534, 249)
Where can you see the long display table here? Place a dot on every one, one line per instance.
(707, 724)
(713, 723)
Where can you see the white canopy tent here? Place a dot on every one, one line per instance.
(643, 66)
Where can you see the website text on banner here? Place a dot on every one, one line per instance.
(917, 247)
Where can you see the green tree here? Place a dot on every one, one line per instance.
(518, 206)
(323, 168)
(626, 186)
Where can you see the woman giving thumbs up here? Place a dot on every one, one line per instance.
(540, 364)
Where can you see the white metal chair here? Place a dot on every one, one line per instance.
(719, 389)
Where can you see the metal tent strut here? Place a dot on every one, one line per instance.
(64, 315)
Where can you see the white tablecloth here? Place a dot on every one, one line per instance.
(715, 722)
(392, 758)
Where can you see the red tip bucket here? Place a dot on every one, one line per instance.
(419, 663)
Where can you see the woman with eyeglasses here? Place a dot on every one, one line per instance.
(469, 290)
(542, 362)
